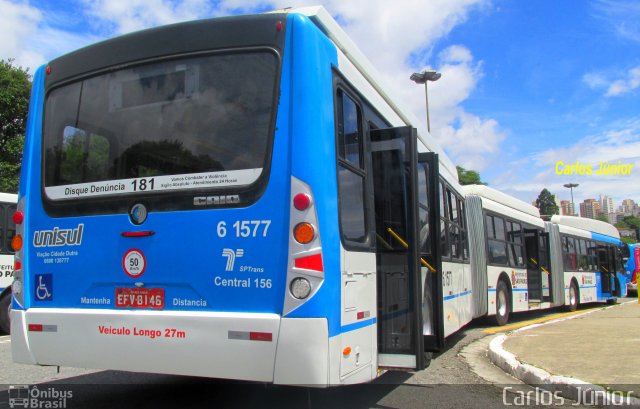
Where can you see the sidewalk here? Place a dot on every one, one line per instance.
(600, 347)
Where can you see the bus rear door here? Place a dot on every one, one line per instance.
(394, 160)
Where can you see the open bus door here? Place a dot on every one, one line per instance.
(534, 271)
(430, 256)
(394, 161)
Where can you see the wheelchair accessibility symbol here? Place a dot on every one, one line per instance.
(44, 287)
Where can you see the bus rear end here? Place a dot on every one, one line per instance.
(155, 205)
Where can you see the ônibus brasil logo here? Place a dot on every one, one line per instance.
(25, 396)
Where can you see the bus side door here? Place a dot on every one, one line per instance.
(394, 161)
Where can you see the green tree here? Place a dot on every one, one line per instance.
(15, 88)
(546, 202)
(468, 177)
(602, 218)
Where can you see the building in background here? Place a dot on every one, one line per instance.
(629, 208)
(607, 208)
(566, 208)
(590, 208)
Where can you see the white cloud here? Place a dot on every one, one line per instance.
(398, 38)
(628, 84)
(621, 16)
(131, 15)
(613, 85)
(619, 145)
(18, 21)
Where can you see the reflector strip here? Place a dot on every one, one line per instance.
(137, 233)
(42, 328)
(310, 263)
(261, 336)
(363, 314)
(251, 336)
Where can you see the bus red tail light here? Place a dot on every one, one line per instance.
(305, 267)
(302, 201)
(18, 217)
(17, 243)
(313, 262)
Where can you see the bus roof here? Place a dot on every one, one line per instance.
(8, 198)
(489, 193)
(594, 226)
(321, 18)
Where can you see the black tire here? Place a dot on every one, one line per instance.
(503, 303)
(5, 307)
(574, 297)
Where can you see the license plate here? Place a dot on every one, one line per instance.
(140, 298)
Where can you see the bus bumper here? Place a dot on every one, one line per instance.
(224, 345)
(239, 346)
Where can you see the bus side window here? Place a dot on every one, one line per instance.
(351, 176)
(497, 246)
(444, 228)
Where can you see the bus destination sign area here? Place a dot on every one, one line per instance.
(155, 184)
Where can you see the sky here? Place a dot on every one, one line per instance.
(528, 88)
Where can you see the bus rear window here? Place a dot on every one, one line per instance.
(197, 123)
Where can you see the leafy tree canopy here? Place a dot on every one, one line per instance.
(15, 88)
(468, 177)
(546, 202)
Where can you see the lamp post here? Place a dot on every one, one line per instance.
(423, 78)
(571, 186)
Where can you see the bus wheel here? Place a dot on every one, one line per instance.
(573, 297)
(502, 303)
(5, 307)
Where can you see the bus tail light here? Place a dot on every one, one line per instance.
(313, 262)
(17, 243)
(300, 288)
(18, 217)
(302, 201)
(304, 232)
(305, 270)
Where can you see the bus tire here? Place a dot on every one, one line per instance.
(574, 297)
(503, 303)
(5, 308)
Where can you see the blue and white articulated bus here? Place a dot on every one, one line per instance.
(519, 262)
(589, 252)
(7, 232)
(237, 198)
(509, 255)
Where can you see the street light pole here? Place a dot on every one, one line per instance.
(423, 78)
(571, 186)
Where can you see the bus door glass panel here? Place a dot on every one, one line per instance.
(544, 262)
(393, 155)
(534, 279)
(614, 263)
(430, 259)
(604, 267)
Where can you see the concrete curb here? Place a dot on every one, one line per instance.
(570, 388)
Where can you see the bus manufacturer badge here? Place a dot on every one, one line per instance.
(138, 213)
(134, 263)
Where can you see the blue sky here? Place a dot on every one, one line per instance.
(525, 84)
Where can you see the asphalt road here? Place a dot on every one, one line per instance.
(459, 377)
